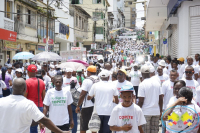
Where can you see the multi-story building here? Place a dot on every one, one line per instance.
(97, 10)
(130, 13)
(8, 41)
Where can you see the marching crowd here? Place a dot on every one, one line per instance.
(117, 93)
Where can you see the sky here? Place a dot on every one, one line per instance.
(140, 13)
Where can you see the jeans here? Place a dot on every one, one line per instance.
(6, 92)
(1, 95)
(163, 126)
(124, 62)
(11, 90)
(34, 129)
(74, 130)
(104, 124)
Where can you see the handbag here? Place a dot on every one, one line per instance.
(33, 122)
(95, 122)
(75, 95)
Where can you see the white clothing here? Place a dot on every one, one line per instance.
(119, 85)
(2, 86)
(165, 71)
(103, 92)
(58, 102)
(46, 79)
(52, 73)
(167, 90)
(17, 113)
(163, 78)
(66, 82)
(127, 115)
(86, 86)
(135, 77)
(195, 63)
(192, 84)
(174, 99)
(150, 90)
(196, 71)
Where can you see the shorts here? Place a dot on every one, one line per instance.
(152, 125)
(86, 114)
(64, 127)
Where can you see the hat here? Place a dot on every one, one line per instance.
(145, 69)
(19, 70)
(9, 66)
(133, 65)
(152, 69)
(127, 88)
(104, 74)
(73, 78)
(181, 59)
(162, 63)
(32, 68)
(123, 70)
(68, 70)
(92, 69)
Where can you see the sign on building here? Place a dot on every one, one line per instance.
(75, 48)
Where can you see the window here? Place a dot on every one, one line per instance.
(76, 21)
(133, 22)
(80, 23)
(96, 1)
(133, 9)
(28, 17)
(130, 3)
(83, 21)
(99, 15)
(8, 9)
(76, 1)
(19, 11)
(133, 15)
(99, 30)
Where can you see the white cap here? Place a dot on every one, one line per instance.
(145, 69)
(52, 66)
(132, 65)
(104, 74)
(68, 70)
(162, 63)
(19, 70)
(152, 69)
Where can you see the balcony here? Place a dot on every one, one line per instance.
(31, 3)
(8, 24)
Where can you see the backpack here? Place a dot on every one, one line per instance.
(94, 81)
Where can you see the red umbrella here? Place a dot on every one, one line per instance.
(79, 61)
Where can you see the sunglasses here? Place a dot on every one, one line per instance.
(190, 72)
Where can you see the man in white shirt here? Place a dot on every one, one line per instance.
(136, 78)
(167, 90)
(58, 102)
(18, 112)
(87, 105)
(67, 77)
(104, 92)
(190, 82)
(160, 76)
(150, 100)
(196, 61)
(181, 67)
(52, 71)
(163, 65)
(26, 63)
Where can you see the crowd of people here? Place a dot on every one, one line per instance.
(128, 95)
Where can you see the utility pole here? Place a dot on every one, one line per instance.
(47, 27)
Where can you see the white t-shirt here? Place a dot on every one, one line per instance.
(127, 115)
(163, 78)
(46, 79)
(119, 85)
(18, 112)
(103, 92)
(86, 86)
(58, 102)
(150, 90)
(195, 62)
(52, 73)
(192, 84)
(135, 77)
(165, 71)
(66, 82)
(2, 86)
(173, 99)
(167, 90)
(180, 110)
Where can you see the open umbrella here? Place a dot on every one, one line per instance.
(47, 56)
(73, 65)
(107, 52)
(79, 61)
(23, 56)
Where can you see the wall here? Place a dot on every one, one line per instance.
(184, 27)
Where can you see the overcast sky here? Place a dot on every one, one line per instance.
(140, 13)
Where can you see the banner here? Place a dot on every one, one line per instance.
(67, 55)
(13, 46)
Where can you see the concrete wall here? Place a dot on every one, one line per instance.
(184, 27)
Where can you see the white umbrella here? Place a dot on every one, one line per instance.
(47, 56)
(73, 65)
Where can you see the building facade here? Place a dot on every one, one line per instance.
(130, 14)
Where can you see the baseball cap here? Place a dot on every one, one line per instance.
(152, 69)
(181, 59)
(68, 70)
(73, 78)
(162, 63)
(104, 74)
(127, 88)
(92, 69)
(123, 70)
(32, 68)
(145, 69)
(19, 70)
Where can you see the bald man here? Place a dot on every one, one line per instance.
(17, 112)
